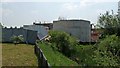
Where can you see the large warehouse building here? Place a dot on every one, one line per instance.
(81, 29)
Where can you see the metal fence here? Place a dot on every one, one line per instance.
(29, 36)
(42, 61)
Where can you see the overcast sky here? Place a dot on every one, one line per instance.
(20, 12)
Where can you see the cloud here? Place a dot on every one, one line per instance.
(68, 9)
(84, 3)
(27, 1)
(60, 1)
(100, 11)
(35, 12)
(96, 1)
(70, 6)
(6, 12)
(9, 0)
(0, 10)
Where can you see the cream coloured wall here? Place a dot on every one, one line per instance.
(80, 29)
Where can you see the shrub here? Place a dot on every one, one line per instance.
(84, 54)
(63, 41)
(104, 59)
(104, 53)
(110, 43)
(108, 52)
(17, 39)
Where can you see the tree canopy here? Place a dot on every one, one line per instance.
(110, 22)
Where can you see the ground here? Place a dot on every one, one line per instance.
(18, 55)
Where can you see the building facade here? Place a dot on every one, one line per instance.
(119, 8)
(41, 30)
(81, 29)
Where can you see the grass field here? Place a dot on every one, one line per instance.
(56, 58)
(18, 55)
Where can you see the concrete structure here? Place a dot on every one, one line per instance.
(48, 26)
(41, 30)
(119, 8)
(81, 29)
(28, 35)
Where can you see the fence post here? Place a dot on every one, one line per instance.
(35, 50)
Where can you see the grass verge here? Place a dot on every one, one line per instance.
(54, 57)
(18, 55)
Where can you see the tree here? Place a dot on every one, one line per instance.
(110, 23)
(108, 52)
(63, 41)
(17, 39)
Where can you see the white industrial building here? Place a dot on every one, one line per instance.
(81, 29)
(41, 30)
(119, 8)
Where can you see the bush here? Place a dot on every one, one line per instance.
(110, 43)
(108, 52)
(63, 41)
(104, 53)
(104, 59)
(17, 39)
(84, 55)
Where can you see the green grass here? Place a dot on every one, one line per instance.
(54, 57)
(18, 55)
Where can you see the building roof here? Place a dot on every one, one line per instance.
(73, 20)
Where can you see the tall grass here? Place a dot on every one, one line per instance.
(54, 57)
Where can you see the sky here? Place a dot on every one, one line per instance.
(25, 12)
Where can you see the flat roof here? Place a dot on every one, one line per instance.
(72, 20)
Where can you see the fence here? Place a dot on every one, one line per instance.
(42, 61)
(28, 35)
